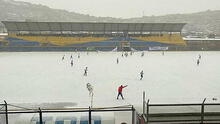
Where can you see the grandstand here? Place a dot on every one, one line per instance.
(60, 36)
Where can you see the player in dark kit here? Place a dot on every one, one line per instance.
(198, 61)
(71, 63)
(142, 54)
(200, 56)
(142, 74)
(63, 57)
(120, 91)
(85, 71)
(117, 60)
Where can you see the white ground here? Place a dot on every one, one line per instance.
(41, 77)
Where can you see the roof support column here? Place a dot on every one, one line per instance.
(61, 31)
(141, 31)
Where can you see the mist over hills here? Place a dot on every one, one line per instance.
(10, 10)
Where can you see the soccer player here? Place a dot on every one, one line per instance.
(120, 91)
(142, 74)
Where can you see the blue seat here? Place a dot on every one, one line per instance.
(85, 119)
(19, 42)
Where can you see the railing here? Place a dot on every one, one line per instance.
(5, 112)
(181, 113)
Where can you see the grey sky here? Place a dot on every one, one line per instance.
(130, 8)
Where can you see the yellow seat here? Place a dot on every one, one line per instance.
(165, 38)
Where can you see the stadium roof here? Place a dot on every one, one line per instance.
(14, 26)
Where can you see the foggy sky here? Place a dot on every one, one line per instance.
(130, 8)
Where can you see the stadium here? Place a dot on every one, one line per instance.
(84, 36)
(177, 89)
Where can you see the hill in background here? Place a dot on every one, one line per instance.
(10, 10)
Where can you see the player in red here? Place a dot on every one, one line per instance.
(120, 91)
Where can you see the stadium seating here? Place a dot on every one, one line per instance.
(58, 40)
(165, 38)
(20, 42)
(91, 41)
